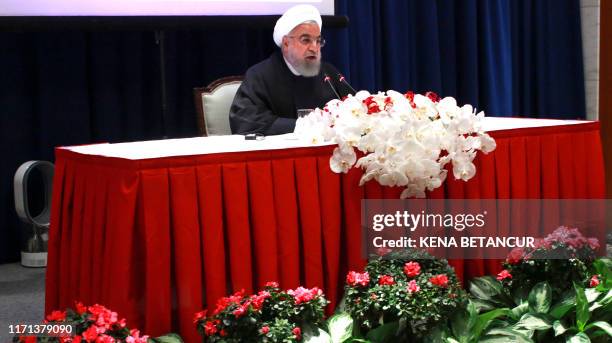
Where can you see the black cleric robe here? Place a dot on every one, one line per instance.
(270, 95)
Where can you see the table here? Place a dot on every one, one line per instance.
(158, 230)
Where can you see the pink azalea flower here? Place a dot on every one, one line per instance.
(413, 287)
(357, 279)
(504, 274)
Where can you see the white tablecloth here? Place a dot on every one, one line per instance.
(236, 143)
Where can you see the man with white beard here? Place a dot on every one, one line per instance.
(290, 79)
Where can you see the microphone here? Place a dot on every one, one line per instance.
(342, 79)
(327, 80)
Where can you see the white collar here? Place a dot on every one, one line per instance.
(293, 70)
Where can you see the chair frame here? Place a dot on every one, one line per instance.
(197, 97)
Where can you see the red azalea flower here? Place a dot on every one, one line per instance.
(198, 316)
(57, 316)
(593, 243)
(135, 337)
(386, 280)
(297, 332)
(594, 281)
(504, 274)
(222, 333)
(97, 309)
(90, 334)
(432, 96)
(27, 339)
(271, 284)
(303, 295)
(105, 339)
(241, 310)
(257, 301)
(439, 280)
(412, 269)
(122, 323)
(80, 308)
(224, 302)
(77, 339)
(210, 328)
(515, 256)
(413, 287)
(357, 279)
(264, 330)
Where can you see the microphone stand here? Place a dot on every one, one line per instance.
(327, 80)
(342, 79)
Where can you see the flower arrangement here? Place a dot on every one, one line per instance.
(271, 315)
(97, 324)
(406, 139)
(561, 258)
(407, 288)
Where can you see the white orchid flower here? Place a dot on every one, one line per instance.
(463, 169)
(487, 143)
(402, 145)
(342, 159)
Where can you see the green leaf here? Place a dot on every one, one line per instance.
(595, 306)
(534, 321)
(451, 340)
(505, 335)
(461, 324)
(482, 305)
(472, 312)
(340, 327)
(521, 294)
(602, 325)
(579, 338)
(520, 310)
(316, 335)
(559, 328)
(168, 338)
(606, 299)
(498, 339)
(483, 320)
(562, 307)
(582, 308)
(540, 298)
(591, 294)
(383, 333)
(485, 288)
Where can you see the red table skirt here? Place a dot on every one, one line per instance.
(158, 240)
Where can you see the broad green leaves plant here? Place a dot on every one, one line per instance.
(578, 315)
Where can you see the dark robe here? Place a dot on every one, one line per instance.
(270, 95)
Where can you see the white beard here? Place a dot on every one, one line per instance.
(308, 69)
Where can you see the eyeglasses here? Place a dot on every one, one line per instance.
(306, 40)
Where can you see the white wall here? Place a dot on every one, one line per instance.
(589, 15)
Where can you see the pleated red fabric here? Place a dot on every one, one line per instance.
(158, 240)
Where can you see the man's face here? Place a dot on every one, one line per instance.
(302, 48)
